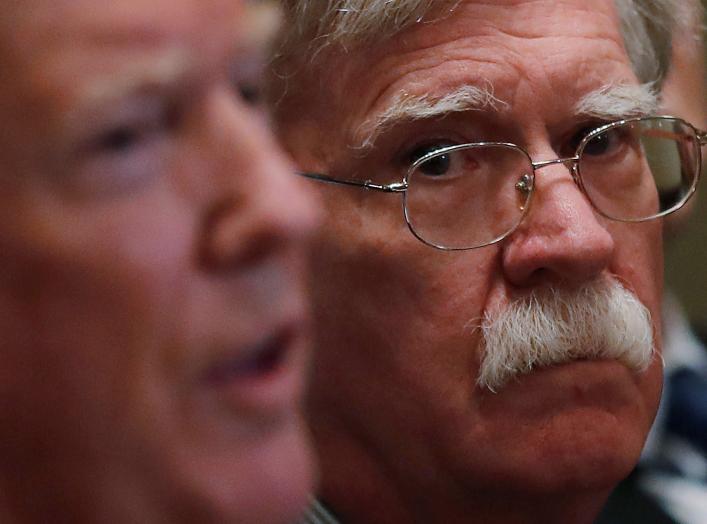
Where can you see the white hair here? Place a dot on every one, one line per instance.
(351, 21)
(550, 326)
(611, 102)
(314, 25)
(415, 107)
(616, 101)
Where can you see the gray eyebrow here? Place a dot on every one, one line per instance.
(618, 101)
(609, 102)
(406, 107)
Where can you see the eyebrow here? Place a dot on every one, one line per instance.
(406, 108)
(153, 71)
(610, 102)
(619, 101)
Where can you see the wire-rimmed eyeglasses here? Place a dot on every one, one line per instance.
(473, 195)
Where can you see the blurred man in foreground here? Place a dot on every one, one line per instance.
(151, 240)
(488, 283)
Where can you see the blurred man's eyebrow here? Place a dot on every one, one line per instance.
(618, 101)
(406, 108)
(159, 70)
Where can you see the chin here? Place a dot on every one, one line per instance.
(282, 482)
(268, 482)
(589, 450)
(572, 428)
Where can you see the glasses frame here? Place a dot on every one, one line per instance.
(527, 180)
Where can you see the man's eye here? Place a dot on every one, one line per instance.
(135, 131)
(119, 140)
(122, 158)
(581, 135)
(124, 149)
(436, 166)
(604, 143)
(601, 144)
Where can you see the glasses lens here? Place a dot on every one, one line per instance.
(468, 196)
(640, 169)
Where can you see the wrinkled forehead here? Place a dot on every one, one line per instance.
(500, 47)
(524, 19)
(533, 39)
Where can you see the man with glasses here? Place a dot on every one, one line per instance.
(487, 285)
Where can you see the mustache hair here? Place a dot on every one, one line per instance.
(600, 320)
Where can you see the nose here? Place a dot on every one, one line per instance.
(561, 238)
(260, 206)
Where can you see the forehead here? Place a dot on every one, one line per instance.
(530, 39)
(59, 42)
(42, 20)
(534, 55)
(66, 60)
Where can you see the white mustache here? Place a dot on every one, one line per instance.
(601, 320)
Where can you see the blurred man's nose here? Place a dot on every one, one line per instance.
(260, 206)
(561, 239)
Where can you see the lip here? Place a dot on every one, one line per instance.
(264, 376)
(572, 384)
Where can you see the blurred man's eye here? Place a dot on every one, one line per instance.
(133, 125)
(124, 155)
(122, 139)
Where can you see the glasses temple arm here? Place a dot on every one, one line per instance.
(396, 187)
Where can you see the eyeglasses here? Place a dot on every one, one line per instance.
(473, 195)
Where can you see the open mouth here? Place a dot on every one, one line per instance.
(263, 359)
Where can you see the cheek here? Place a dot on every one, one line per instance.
(383, 276)
(90, 295)
(397, 312)
(638, 263)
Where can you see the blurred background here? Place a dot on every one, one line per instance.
(686, 258)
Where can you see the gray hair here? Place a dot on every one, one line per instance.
(313, 26)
